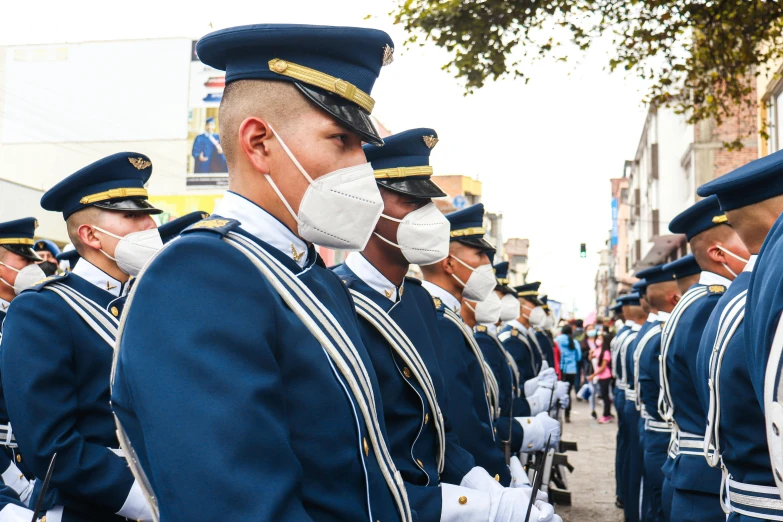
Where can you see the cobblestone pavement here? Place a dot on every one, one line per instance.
(592, 483)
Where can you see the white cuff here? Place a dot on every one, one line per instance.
(14, 513)
(539, 401)
(462, 504)
(15, 479)
(531, 385)
(518, 476)
(136, 507)
(55, 514)
(479, 479)
(533, 438)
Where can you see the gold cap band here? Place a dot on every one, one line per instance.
(403, 172)
(527, 293)
(503, 280)
(473, 231)
(328, 83)
(16, 241)
(113, 194)
(720, 219)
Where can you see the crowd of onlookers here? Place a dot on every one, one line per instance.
(584, 360)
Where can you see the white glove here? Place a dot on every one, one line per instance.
(518, 476)
(537, 431)
(561, 389)
(14, 513)
(547, 377)
(530, 386)
(539, 400)
(564, 402)
(136, 506)
(507, 503)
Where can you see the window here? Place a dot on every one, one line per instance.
(774, 119)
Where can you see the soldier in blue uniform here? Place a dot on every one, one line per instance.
(539, 322)
(18, 269)
(736, 343)
(695, 486)
(263, 350)
(68, 259)
(58, 341)
(634, 318)
(525, 334)
(207, 151)
(48, 252)
(399, 328)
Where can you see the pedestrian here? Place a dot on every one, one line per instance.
(603, 355)
(571, 354)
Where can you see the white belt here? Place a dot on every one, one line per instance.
(762, 502)
(659, 426)
(630, 394)
(7, 438)
(621, 385)
(690, 444)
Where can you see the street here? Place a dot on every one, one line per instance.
(592, 482)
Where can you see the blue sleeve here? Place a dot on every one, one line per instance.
(41, 392)
(198, 146)
(206, 389)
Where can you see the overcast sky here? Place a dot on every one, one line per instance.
(544, 151)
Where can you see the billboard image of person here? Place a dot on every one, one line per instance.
(207, 152)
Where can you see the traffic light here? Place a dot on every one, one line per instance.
(583, 250)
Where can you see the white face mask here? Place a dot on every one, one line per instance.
(538, 317)
(488, 310)
(509, 309)
(480, 284)
(338, 210)
(134, 250)
(549, 322)
(735, 256)
(423, 235)
(25, 277)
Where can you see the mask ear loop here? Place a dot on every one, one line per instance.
(290, 156)
(383, 238)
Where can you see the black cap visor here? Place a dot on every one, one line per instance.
(476, 242)
(344, 111)
(141, 206)
(26, 251)
(532, 300)
(506, 290)
(418, 187)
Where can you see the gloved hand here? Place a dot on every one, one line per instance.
(518, 476)
(507, 504)
(536, 431)
(551, 427)
(564, 402)
(547, 377)
(540, 400)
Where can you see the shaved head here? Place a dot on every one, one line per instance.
(663, 296)
(86, 216)
(701, 242)
(279, 103)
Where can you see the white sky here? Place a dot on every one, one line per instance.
(544, 151)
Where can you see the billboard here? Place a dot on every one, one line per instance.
(615, 229)
(206, 91)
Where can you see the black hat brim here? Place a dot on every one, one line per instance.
(141, 206)
(506, 290)
(344, 111)
(533, 300)
(417, 187)
(477, 242)
(26, 251)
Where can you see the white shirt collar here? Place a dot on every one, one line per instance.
(663, 316)
(365, 271)
(99, 278)
(751, 263)
(449, 300)
(636, 327)
(516, 324)
(629, 323)
(3, 305)
(711, 278)
(257, 221)
(651, 317)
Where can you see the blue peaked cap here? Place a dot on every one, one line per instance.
(655, 275)
(632, 299)
(17, 236)
(501, 272)
(45, 244)
(115, 182)
(335, 67)
(683, 267)
(697, 218)
(640, 287)
(757, 181)
(402, 164)
(467, 227)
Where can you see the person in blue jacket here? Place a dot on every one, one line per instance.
(739, 366)
(412, 230)
(58, 342)
(570, 356)
(207, 152)
(696, 487)
(263, 350)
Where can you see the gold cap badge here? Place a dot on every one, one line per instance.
(140, 163)
(388, 55)
(430, 141)
(720, 219)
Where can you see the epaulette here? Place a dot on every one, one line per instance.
(38, 285)
(214, 224)
(412, 280)
(481, 328)
(438, 303)
(716, 289)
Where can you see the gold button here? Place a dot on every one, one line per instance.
(528, 421)
(18, 457)
(497, 478)
(366, 447)
(419, 463)
(406, 372)
(426, 418)
(463, 500)
(43, 518)
(496, 430)
(530, 445)
(114, 311)
(280, 66)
